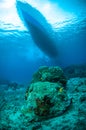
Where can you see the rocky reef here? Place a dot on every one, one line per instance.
(75, 71)
(52, 101)
(49, 74)
(46, 95)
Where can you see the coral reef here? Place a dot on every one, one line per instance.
(75, 71)
(47, 105)
(49, 74)
(4, 81)
(46, 95)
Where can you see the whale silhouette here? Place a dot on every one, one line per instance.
(40, 30)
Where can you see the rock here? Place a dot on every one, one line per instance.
(75, 71)
(46, 95)
(45, 100)
(50, 74)
(13, 85)
(43, 107)
(4, 81)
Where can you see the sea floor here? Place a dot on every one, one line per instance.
(12, 99)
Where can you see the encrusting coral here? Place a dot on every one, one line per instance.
(46, 95)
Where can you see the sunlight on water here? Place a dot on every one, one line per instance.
(53, 13)
(9, 19)
(6, 4)
(17, 49)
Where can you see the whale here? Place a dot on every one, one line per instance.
(40, 30)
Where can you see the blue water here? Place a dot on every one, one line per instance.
(20, 56)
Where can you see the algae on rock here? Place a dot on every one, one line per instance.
(46, 96)
(50, 74)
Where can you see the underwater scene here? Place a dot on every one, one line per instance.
(43, 65)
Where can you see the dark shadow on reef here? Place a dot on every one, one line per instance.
(75, 71)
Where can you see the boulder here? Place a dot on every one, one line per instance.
(51, 74)
(46, 96)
